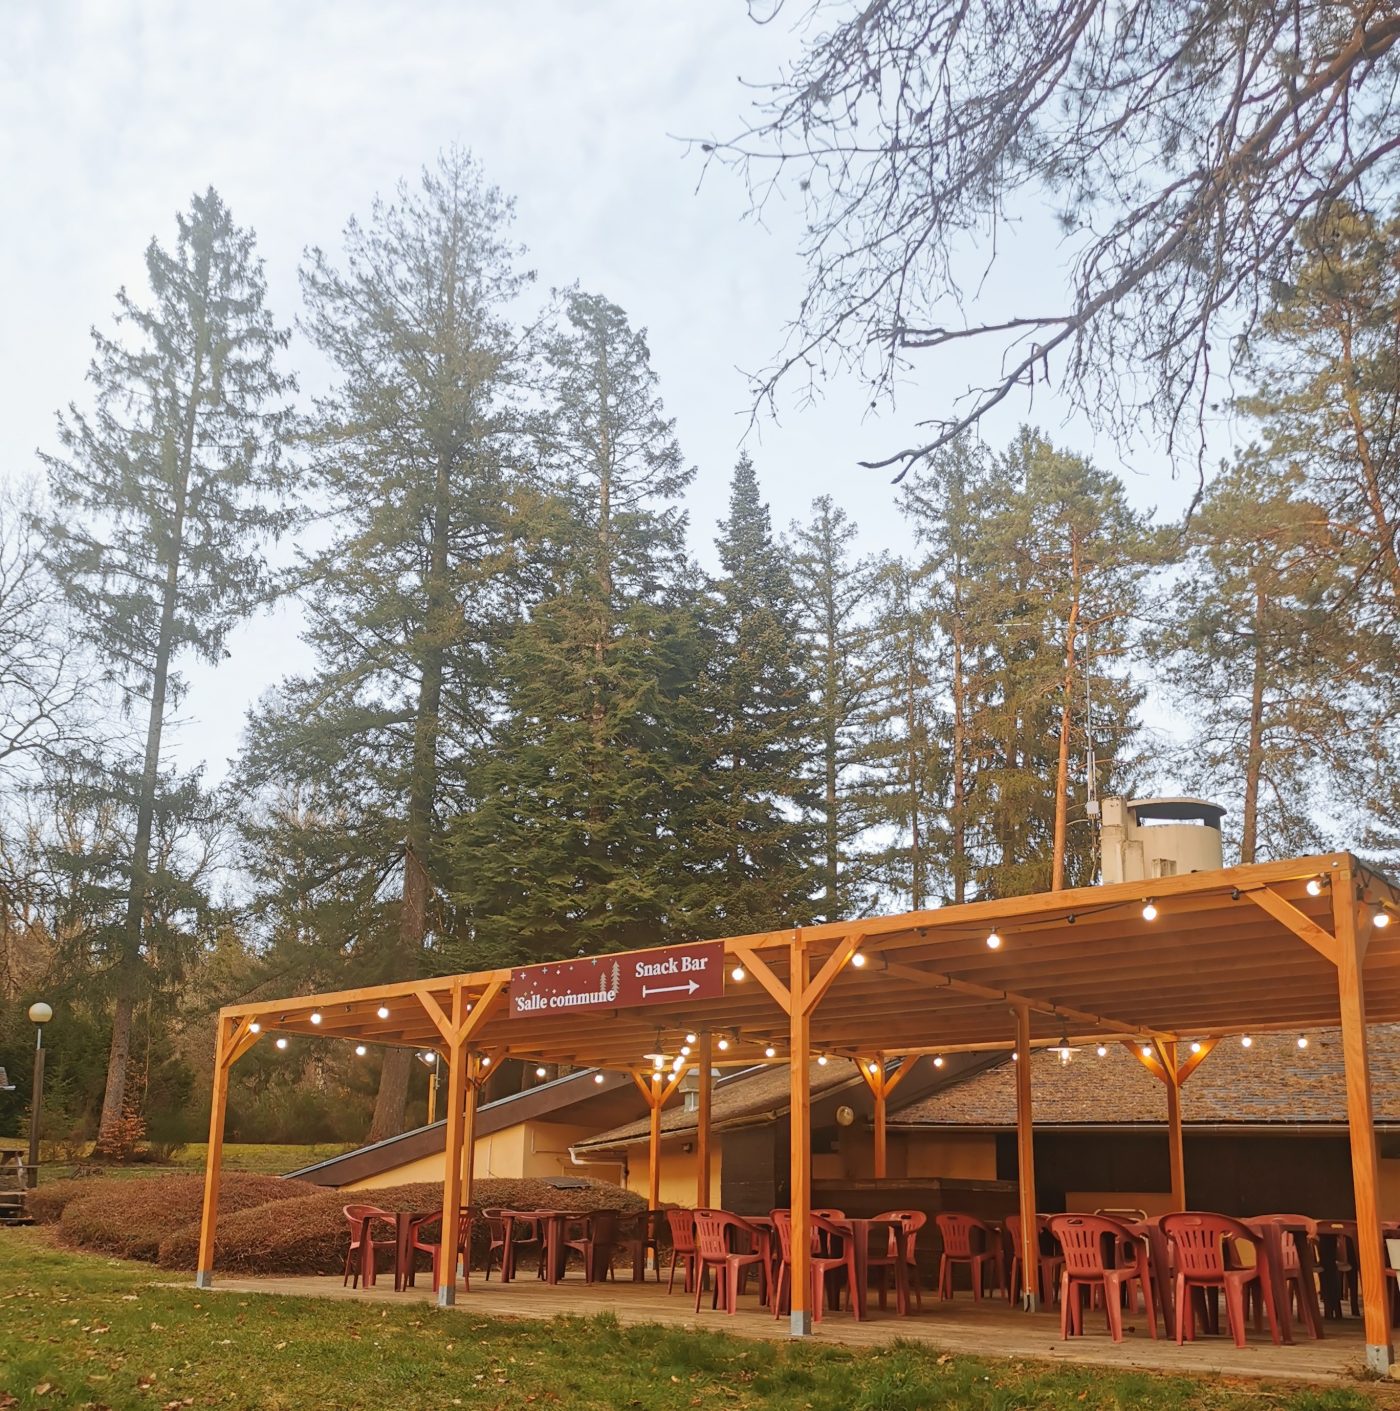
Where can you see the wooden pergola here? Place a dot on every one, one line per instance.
(1168, 966)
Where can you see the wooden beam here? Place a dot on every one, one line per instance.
(705, 1061)
(834, 964)
(1176, 1144)
(1025, 1165)
(800, 1137)
(214, 1156)
(457, 1085)
(437, 1014)
(762, 972)
(1193, 1061)
(1151, 1060)
(893, 1080)
(881, 1090)
(654, 1158)
(1350, 924)
(935, 980)
(1304, 927)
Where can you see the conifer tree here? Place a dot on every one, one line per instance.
(834, 594)
(163, 499)
(752, 848)
(570, 842)
(412, 458)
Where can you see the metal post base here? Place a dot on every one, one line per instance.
(204, 1279)
(800, 1323)
(1380, 1357)
(447, 1296)
(1030, 1303)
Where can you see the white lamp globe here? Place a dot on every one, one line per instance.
(40, 1013)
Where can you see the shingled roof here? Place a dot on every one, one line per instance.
(1271, 1083)
(739, 1100)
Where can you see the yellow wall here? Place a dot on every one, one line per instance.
(526, 1149)
(960, 1157)
(679, 1170)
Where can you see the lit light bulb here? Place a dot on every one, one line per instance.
(938, 1060)
(1147, 1050)
(360, 1050)
(1149, 912)
(1102, 1050)
(657, 1059)
(1302, 1041)
(540, 1072)
(1195, 1045)
(874, 1067)
(993, 941)
(255, 1027)
(383, 1011)
(685, 1050)
(281, 1042)
(737, 974)
(1314, 886)
(656, 1077)
(858, 959)
(1381, 919)
(770, 1052)
(486, 1062)
(722, 1045)
(1015, 1057)
(690, 1039)
(821, 1059)
(597, 1077)
(315, 1016)
(1246, 1041)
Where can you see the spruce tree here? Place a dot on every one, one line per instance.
(752, 846)
(834, 593)
(412, 457)
(570, 845)
(163, 500)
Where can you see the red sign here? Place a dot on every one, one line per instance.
(667, 975)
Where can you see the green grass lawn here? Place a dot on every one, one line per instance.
(261, 1157)
(102, 1335)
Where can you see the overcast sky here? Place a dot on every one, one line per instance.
(113, 112)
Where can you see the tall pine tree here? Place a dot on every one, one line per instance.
(163, 500)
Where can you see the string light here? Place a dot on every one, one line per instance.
(360, 1050)
(938, 1060)
(597, 1077)
(1102, 1050)
(315, 1016)
(722, 1044)
(281, 1042)
(1149, 912)
(1302, 1041)
(1147, 1050)
(873, 1066)
(858, 959)
(685, 1050)
(993, 941)
(656, 1077)
(770, 1052)
(486, 1062)
(1246, 1041)
(1315, 885)
(738, 974)
(541, 1072)
(1015, 1057)
(383, 1011)
(690, 1039)
(1381, 919)
(1195, 1045)
(255, 1027)
(821, 1060)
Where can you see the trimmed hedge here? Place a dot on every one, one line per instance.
(47, 1202)
(310, 1235)
(130, 1218)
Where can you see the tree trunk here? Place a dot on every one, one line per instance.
(1057, 857)
(957, 814)
(831, 749)
(1383, 533)
(392, 1098)
(917, 890)
(1254, 757)
(130, 978)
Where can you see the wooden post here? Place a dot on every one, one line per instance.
(469, 1126)
(214, 1158)
(702, 1124)
(800, 1132)
(878, 1089)
(1353, 930)
(1025, 1164)
(654, 1146)
(457, 1084)
(1176, 1146)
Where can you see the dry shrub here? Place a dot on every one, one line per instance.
(47, 1202)
(310, 1235)
(130, 1217)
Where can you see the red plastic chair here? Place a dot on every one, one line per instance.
(838, 1256)
(461, 1252)
(682, 1223)
(822, 1238)
(509, 1234)
(1205, 1260)
(1301, 1292)
(956, 1231)
(1091, 1244)
(637, 1235)
(359, 1258)
(913, 1221)
(731, 1266)
(594, 1237)
(1048, 1266)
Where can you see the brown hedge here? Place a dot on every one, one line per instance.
(48, 1201)
(130, 1218)
(310, 1235)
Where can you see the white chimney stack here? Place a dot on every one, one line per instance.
(1145, 838)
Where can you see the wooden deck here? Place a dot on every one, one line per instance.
(990, 1329)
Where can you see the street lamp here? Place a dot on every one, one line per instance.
(39, 1015)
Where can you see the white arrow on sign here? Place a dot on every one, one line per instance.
(688, 988)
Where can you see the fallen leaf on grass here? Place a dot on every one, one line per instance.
(43, 1389)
